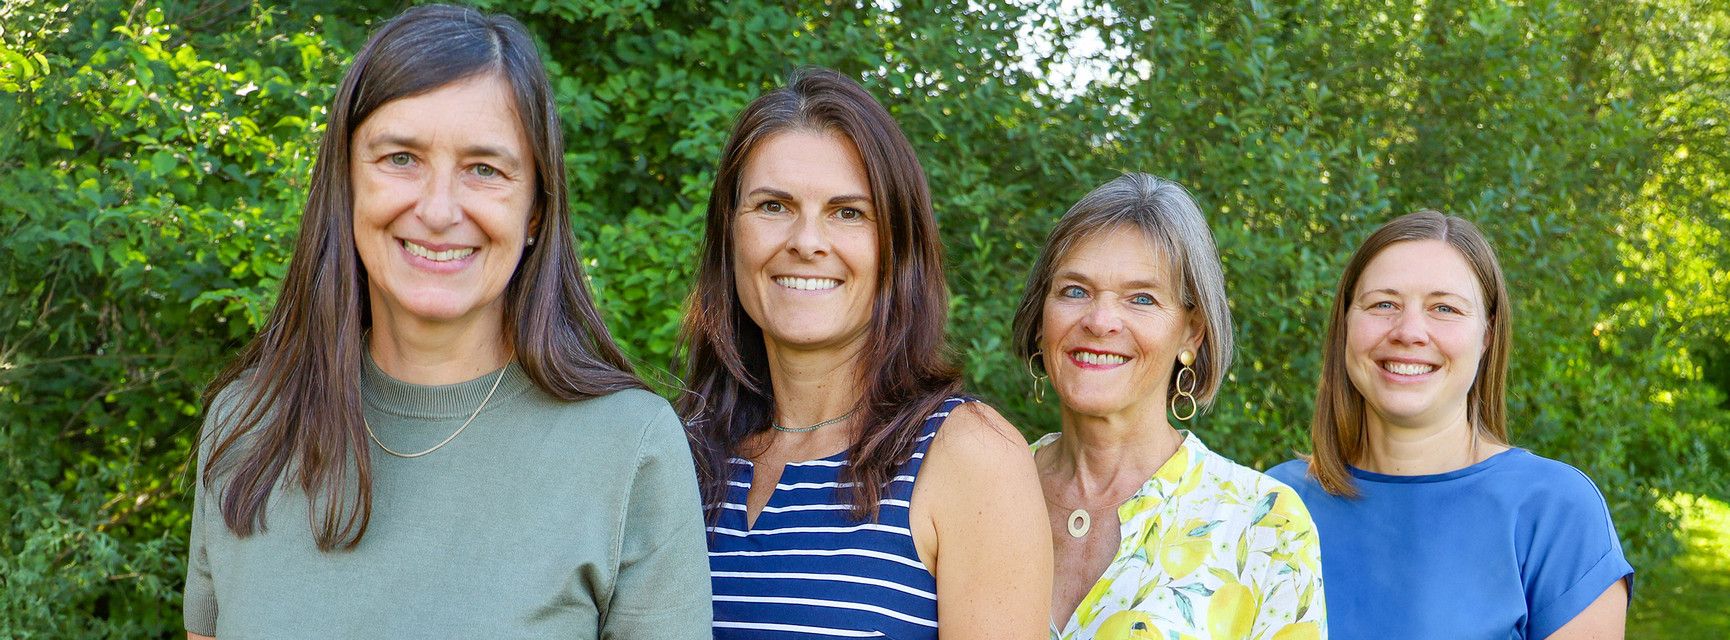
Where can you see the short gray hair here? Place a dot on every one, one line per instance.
(1164, 212)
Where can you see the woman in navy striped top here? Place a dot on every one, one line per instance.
(851, 491)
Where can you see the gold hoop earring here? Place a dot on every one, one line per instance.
(1038, 380)
(1185, 391)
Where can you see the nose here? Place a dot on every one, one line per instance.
(440, 206)
(1410, 328)
(809, 239)
(1103, 318)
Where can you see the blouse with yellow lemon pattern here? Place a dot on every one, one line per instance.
(1211, 550)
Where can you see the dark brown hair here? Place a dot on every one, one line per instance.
(1337, 434)
(1165, 214)
(905, 371)
(298, 412)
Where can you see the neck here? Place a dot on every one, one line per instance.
(813, 386)
(1105, 457)
(1422, 448)
(437, 353)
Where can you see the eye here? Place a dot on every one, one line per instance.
(1142, 299)
(1072, 291)
(486, 171)
(400, 159)
(774, 206)
(850, 214)
(1446, 308)
(1382, 306)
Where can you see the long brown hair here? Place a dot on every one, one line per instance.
(299, 408)
(905, 372)
(1337, 434)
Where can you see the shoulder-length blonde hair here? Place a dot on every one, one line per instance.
(1337, 433)
(1175, 229)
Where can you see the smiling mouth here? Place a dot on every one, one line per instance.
(1407, 368)
(1098, 359)
(437, 256)
(807, 284)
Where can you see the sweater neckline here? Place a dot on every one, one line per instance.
(381, 392)
(1485, 465)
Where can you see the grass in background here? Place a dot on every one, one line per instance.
(1687, 599)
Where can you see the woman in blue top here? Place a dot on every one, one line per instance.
(1432, 526)
(850, 491)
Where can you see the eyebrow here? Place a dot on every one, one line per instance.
(784, 195)
(1432, 294)
(471, 151)
(1079, 277)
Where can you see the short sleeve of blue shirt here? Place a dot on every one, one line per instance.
(1512, 547)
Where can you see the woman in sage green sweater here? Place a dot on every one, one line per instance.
(434, 435)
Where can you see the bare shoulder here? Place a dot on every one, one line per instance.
(976, 445)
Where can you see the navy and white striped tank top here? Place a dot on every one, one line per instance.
(807, 569)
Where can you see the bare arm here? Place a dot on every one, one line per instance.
(987, 537)
(1605, 619)
(193, 636)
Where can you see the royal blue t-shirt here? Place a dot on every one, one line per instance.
(1512, 547)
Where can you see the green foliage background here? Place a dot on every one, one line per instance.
(155, 158)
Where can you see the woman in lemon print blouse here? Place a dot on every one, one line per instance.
(1155, 535)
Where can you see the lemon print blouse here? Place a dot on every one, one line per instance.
(1211, 550)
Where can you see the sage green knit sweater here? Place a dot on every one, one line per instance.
(544, 519)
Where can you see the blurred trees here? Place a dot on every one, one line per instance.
(152, 177)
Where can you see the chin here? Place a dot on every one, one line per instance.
(1090, 405)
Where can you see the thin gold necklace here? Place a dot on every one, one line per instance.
(1080, 519)
(452, 436)
(777, 425)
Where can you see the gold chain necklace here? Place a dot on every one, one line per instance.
(1080, 519)
(452, 436)
(777, 425)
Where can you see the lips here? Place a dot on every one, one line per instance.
(1095, 359)
(437, 253)
(1405, 367)
(807, 284)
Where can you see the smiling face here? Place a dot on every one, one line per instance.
(1113, 326)
(443, 184)
(805, 242)
(1416, 330)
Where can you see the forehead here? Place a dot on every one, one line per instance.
(1120, 253)
(1420, 267)
(479, 108)
(804, 161)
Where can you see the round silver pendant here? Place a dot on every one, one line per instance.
(1079, 523)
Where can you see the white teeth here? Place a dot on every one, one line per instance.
(1408, 368)
(807, 284)
(1088, 357)
(437, 256)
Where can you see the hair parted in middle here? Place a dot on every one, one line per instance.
(1338, 434)
(299, 415)
(905, 371)
(1165, 215)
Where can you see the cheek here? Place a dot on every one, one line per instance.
(1466, 344)
(861, 256)
(1052, 327)
(1359, 336)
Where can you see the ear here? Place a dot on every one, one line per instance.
(1194, 332)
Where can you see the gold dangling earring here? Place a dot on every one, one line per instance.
(1185, 391)
(1038, 380)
